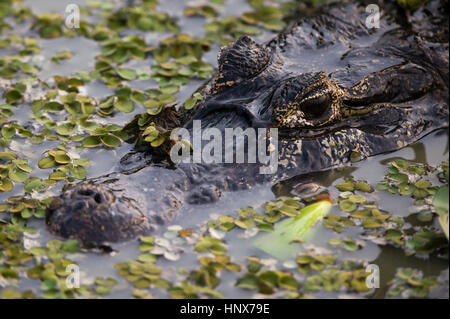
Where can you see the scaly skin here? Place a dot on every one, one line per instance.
(332, 87)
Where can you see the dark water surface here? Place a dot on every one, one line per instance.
(430, 150)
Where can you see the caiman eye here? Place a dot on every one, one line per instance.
(315, 107)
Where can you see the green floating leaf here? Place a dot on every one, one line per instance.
(82, 162)
(110, 140)
(357, 198)
(441, 200)
(8, 132)
(8, 156)
(278, 243)
(13, 96)
(6, 185)
(347, 186)
(91, 141)
(443, 221)
(124, 104)
(46, 162)
(62, 158)
(38, 185)
(441, 204)
(347, 205)
(24, 167)
(288, 282)
(66, 129)
(17, 175)
(63, 55)
(127, 74)
(248, 282)
(9, 293)
(190, 102)
(370, 223)
(78, 171)
(70, 246)
(58, 175)
(422, 184)
(363, 187)
(53, 107)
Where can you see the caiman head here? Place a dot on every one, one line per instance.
(321, 122)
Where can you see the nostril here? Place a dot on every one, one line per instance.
(98, 198)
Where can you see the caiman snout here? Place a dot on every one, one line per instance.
(94, 214)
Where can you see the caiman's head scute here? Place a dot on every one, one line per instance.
(308, 100)
(94, 214)
(240, 61)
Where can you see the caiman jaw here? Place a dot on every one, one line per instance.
(360, 110)
(347, 112)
